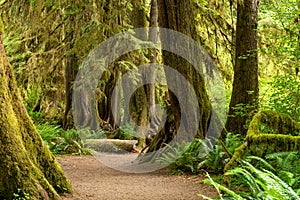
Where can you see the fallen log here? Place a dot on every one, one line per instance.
(110, 145)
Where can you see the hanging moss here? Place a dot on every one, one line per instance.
(42, 37)
(283, 134)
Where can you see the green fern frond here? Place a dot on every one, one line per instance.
(220, 188)
(247, 177)
(262, 161)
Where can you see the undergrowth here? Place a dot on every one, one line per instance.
(260, 182)
(199, 155)
(276, 176)
(60, 141)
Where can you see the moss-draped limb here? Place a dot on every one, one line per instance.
(284, 135)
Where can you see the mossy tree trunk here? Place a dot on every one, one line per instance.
(150, 88)
(26, 164)
(180, 16)
(71, 69)
(245, 85)
(139, 109)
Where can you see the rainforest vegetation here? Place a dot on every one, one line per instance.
(254, 45)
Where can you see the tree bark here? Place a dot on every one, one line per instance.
(180, 16)
(244, 99)
(139, 109)
(26, 164)
(150, 88)
(70, 75)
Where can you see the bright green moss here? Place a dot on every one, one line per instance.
(284, 135)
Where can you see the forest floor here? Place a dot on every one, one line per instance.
(92, 180)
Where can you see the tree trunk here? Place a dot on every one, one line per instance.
(70, 75)
(180, 16)
(26, 164)
(150, 88)
(139, 110)
(245, 85)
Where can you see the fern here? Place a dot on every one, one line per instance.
(247, 178)
(263, 162)
(287, 165)
(287, 190)
(205, 154)
(285, 160)
(220, 189)
(272, 185)
(261, 183)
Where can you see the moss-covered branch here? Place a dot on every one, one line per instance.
(269, 131)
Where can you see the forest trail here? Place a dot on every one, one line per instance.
(92, 180)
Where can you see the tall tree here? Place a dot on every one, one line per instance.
(244, 99)
(139, 109)
(180, 16)
(26, 164)
(150, 88)
(71, 66)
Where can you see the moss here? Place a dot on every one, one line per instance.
(278, 123)
(283, 135)
(26, 165)
(1, 28)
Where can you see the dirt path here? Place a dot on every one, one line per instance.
(94, 181)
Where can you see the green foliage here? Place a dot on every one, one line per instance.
(60, 141)
(37, 117)
(32, 97)
(217, 158)
(71, 143)
(46, 35)
(49, 133)
(126, 132)
(92, 134)
(241, 109)
(258, 184)
(201, 155)
(279, 32)
(284, 95)
(263, 184)
(21, 195)
(220, 188)
(279, 28)
(287, 165)
(285, 160)
(183, 162)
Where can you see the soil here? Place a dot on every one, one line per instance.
(92, 180)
